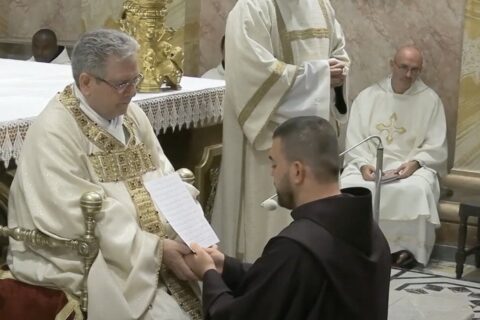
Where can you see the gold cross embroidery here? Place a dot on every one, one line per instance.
(391, 128)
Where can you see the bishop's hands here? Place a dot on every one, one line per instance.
(174, 254)
(205, 259)
(337, 72)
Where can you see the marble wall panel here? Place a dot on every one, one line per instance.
(467, 154)
(375, 28)
(213, 17)
(19, 19)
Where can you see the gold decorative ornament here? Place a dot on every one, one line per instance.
(126, 164)
(391, 128)
(159, 61)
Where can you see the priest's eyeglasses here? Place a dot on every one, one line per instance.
(122, 86)
(405, 69)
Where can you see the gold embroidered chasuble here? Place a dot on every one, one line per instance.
(117, 162)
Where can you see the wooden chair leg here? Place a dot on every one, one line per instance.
(477, 252)
(462, 236)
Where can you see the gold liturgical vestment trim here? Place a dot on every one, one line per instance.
(287, 51)
(307, 34)
(286, 39)
(326, 16)
(117, 162)
(261, 92)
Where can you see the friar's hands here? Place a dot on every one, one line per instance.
(200, 262)
(368, 172)
(173, 257)
(407, 169)
(337, 74)
(217, 256)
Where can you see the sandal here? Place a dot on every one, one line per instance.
(403, 259)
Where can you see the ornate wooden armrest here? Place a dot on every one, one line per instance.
(207, 173)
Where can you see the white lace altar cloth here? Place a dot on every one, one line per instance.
(26, 87)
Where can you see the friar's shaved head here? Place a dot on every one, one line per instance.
(44, 45)
(409, 51)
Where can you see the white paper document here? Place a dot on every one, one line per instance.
(173, 199)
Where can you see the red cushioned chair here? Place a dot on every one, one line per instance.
(23, 301)
(19, 300)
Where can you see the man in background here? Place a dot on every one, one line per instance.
(409, 117)
(46, 49)
(282, 60)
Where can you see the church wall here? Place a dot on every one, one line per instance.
(375, 28)
(19, 20)
(213, 16)
(467, 153)
(200, 25)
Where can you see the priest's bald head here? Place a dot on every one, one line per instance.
(105, 69)
(304, 160)
(44, 45)
(406, 65)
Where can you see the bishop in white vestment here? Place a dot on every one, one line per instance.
(413, 130)
(282, 58)
(96, 140)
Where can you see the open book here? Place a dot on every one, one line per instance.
(389, 176)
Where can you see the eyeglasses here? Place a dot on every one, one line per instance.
(122, 86)
(405, 69)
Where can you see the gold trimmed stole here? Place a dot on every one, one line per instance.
(117, 162)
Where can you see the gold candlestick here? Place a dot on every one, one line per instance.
(159, 61)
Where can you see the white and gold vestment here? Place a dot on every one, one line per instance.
(69, 150)
(412, 127)
(277, 67)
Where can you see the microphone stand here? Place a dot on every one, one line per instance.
(378, 172)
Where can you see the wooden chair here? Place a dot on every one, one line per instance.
(207, 173)
(86, 247)
(467, 210)
(6, 177)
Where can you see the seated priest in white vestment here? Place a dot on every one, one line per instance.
(217, 73)
(46, 49)
(90, 137)
(410, 119)
(283, 59)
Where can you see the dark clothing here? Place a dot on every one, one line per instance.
(331, 262)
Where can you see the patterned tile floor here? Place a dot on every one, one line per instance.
(447, 269)
(436, 285)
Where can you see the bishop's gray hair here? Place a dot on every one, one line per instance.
(93, 48)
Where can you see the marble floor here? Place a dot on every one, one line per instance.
(432, 292)
(447, 269)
